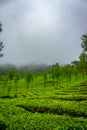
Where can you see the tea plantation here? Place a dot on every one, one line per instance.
(40, 107)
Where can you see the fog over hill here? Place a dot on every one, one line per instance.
(25, 68)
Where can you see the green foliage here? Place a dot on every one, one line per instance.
(57, 72)
(5, 80)
(53, 75)
(1, 47)
(28, 78)
(1, 44)
(83, 57)
(84, 42)
(17, 76)
(11, 74)
(83, 62)
(16, 79)
(67, 70)
(45, 78)
(0, 27)
(75, 71)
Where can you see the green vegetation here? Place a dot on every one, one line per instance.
(16, 81)
(29, 78)
(59, 107)
(11, 74)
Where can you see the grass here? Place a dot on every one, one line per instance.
(51, 108)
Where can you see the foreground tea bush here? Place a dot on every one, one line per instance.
(18, 118)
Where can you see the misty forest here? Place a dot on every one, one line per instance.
(43, 96)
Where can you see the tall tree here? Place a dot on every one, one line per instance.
(83, 55)
(16, 80)
(45, 78)
(11, 74)
(53, 75)
(67, 70)
(28, 78)
(83, 62)
(57, 72)
(84, 42)
(75, 71)
(0, 27)
(1, 44)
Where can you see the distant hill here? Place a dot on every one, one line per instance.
(25, 68)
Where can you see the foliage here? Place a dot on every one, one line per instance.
(57, 72)
(83, 57)
(11, 74)
(0, 27)
(75, 71)
(45, 78)
(84, 42)
(53, 75)
(67, 70)
(16, 79)
(1, 44)
(83, 62)
(29, 78)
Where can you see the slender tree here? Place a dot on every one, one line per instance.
(16, 80)
(1, 44)
(83, 55)
(67, 70)
(45, 78)
(28, 79)
(11, 74)
(57, 72)
(75, 71)
(53, 75)
(4, 79)
(84, 42)
(0, 27)
(83, 63)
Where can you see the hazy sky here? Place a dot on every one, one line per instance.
(42, 31)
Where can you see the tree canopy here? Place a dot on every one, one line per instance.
(84, 42)
(0, 27)
(1, 44)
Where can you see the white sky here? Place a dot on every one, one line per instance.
(42, 31)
